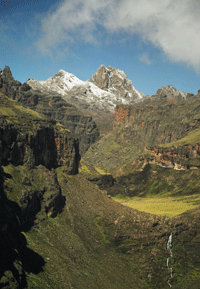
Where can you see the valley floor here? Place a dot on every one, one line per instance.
(165, 206)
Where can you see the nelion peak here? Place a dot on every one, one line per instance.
(116, 82)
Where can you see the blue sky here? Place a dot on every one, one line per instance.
(156, 43)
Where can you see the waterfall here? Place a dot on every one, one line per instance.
(125, 191)
(169, 246)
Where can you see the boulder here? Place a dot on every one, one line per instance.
(103, 180)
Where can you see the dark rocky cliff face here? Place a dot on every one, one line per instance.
(47, 146)
(12, 242)
(149, 125)
(31, 147)
(53, 106)
(30, 139)
(18, 214)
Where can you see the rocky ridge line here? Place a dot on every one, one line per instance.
(151, 125)
(82, 126)
(167, 95)
(103, 91)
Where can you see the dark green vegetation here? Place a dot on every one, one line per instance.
(94, 242)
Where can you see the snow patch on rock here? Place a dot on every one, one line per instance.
(119, 89)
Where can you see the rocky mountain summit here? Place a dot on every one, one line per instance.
(54, 106)
(171, 92)
(75, 91)
(97, 96)
(116, 82)
(167, 95)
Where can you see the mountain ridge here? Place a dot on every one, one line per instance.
(103, 92)
(53, 106)
(68, 85)
(88, 96)
(115, 81)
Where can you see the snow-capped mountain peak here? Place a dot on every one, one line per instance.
(107, 88)
(115, 81)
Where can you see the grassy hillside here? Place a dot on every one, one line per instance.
(154, 189)
(27, 119)
(74, 248)
(158, 190)
(139, 126)
(96, 242)
(192, 137)
(107, 153)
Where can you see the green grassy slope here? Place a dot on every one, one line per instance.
(192, 137)
(155, 189)
(98, 243)
(158, 190)
(75, 249)
(28, 120)
(107, 153)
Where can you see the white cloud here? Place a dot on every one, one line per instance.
(171, 25)
(145, 59)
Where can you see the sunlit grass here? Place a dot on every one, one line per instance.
(62, 128)
(83, 168)
(13, 110)
(191, 138)
(102, 172)
(165, 206)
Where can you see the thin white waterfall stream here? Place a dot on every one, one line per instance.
(169, 246)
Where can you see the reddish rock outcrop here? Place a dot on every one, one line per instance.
(47, 147)
(152, 125)
(179, 158)
(123, 115)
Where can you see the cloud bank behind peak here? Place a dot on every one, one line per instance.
(172, 26)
